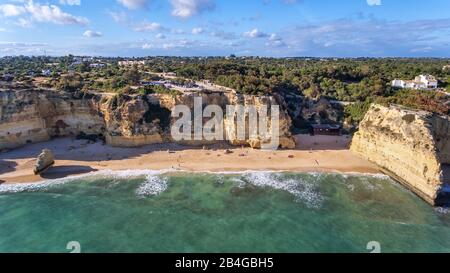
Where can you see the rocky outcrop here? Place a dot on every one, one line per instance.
(411, 146)
(30, 116)
(285, 139)
(36, 115)
(44, 161)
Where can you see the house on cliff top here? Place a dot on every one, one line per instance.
(420, 82)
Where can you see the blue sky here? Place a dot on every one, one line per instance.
(278, 28)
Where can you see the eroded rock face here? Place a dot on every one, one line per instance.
(31, 116)
(411, 146)
(285, 138)
(44, 161)
(35, 116)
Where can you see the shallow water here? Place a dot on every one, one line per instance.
(242, 212)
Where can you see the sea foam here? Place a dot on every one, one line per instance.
(304, 191)
(125, 174)
(154, 185)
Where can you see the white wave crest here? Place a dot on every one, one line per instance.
(304, 191)
(154, 185)
(442, 210)
(30, 187)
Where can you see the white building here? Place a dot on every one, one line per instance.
(420, 82)
(97, 65)
(131, 63)
(429, 81)
(46, 72)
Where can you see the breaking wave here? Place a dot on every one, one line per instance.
(442, 210)
(154, 185)
(126, 174)
(304, 191)
(304, 188)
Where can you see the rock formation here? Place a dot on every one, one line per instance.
(29, 116)
(44, 161)
(411, 146)
(35, 115)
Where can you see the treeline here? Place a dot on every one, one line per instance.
(363, 80)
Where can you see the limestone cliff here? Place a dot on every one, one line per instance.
(34, 116)
(29, 116)
(411, 146)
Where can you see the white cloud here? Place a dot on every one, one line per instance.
(134, 4)
(177, 31)
(275, 41)
(274, 37)
(10, 10)
(53, 14)
(92, 34)
(189, 8)
(70, 2)
(177, 44)
(148, 27)
(197, 30)
(118, 17)
(374, 2)
(42, 13)
(147, 46)
(13, 48)
(421, 49)
(25, 23)
(255, 33)
(373, 38)
(160, 36)
(219, 33)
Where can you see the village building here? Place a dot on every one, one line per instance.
(97, 65)
(420, 82)
(131, 63)
(46, 72)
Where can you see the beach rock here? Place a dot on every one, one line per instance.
(413, 147)
(44, 161)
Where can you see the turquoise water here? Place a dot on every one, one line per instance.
(246, 212)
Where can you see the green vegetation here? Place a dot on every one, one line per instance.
(356, 112)
(359, 81)
(431, 101)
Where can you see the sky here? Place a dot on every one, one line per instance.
(273, 28)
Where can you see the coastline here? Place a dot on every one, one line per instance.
(75, 157)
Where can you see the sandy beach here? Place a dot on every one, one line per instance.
(73, 157)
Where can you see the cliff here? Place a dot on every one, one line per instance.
(29, 116)
(411, 146)
(35, 116)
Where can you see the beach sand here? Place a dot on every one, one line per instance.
(73, 157)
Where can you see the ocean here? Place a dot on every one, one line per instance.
(149, 211)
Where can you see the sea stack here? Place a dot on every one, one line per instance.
(411, 146)
(44, 161)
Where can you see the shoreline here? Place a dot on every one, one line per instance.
(76, 157)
